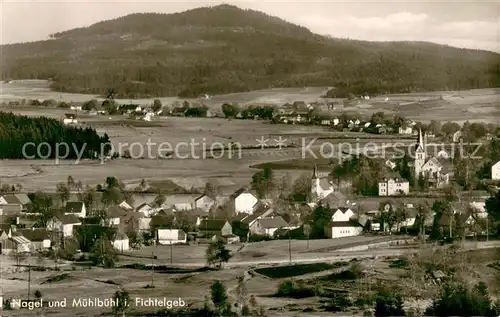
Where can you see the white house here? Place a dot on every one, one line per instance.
(390, 164)
(243, 201)
(267, 226)
(125, 205)
(64, 224)
(76, 107)
(145, 209)
(495, 171)
(341, 229)
(183, 206)
(204, 203)
(76, 208)
(457, 136)
(393, 187)
(407, 129)
(39, 238)
(121, 242)
(342, 214)
(171, 236)
(70, 118)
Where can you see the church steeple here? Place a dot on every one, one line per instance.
(315, 172)
(420, 145)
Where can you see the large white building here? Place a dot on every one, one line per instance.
(393, 187)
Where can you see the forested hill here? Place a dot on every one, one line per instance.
(47, 137)
(225, 49)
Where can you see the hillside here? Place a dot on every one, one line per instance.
(225, 49)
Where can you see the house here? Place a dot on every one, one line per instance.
(333, 199)
(213, 229)
(243, 201)
(63, 224)
(390, 164)
(342, 214)
(204, 203)
(147, 116)
(121, 242)
(393, 187)
(39, 238)
(76, 208)
(405, 129)
(114, 215)
(183, 206)
(134, 222)
(341, 229)
(171, 236)
(495, 171)
(70, 118)
(76, 107)
(145, 209)
(267, 226)
(457, 137)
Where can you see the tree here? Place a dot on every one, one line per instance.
(63, 192)
(492, 206)
(230, 110)
(70, 183)
(38, 294)
(457, 299)
(156, 105)
(159, 200)
(378, 118)
(41, 204)
(110, 106)
(103, 252)
(449, 128)
(301, 188)
(219, 298)
(217, 253)
(434, 127)
(19, 257)
(112, 195)
(388, 303)
(320, 217)
(241, 295)
(423, 212)
(262, 182)
(122, 299)
(89, 198)
(211, 190)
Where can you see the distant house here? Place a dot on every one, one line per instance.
(70, 118)
(457, 136)
(121, 242)
(145, 209)
(39, 238)
(340, 229)
(213, 229)
(390, 164)
(243, 201)
(114, 215)
(393, 187)
(183, 206)
(204, 203)
(15, 243)
(405, 129)
(171, 236)
(64, 224)
(75, 107)
(76, 208)
(125, 205)
(495, 171)
(267, 226)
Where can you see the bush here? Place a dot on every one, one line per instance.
(290, 289)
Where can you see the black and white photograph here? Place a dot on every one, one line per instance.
(249, 158)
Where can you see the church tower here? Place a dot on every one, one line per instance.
(420, 154)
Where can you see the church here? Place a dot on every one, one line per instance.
(323, 189)
(429, 167)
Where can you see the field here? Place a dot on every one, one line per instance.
(321, 280)
(196, 163)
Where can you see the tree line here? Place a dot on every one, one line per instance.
(17, 131)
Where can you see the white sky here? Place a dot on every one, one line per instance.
(462, 24)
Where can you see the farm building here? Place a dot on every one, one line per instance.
(340, 229)
(14, 203)
(39, 238)
(16, 243)
(171, 236)
(217, 229)
(267, 226)
(243, 201)
(145, 209)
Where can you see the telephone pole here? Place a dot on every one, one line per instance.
(153, 257)
(290, 245)
(171, 252)
(29, 280)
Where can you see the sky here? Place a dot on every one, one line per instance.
(474, 24)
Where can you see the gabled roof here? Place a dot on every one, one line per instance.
(68, 219)
(342, 209)
(202, 196)
(34, 235)
(212, 224)
(70, 116)
(239, 192)
(12, 199)
(142, 205)
(19, 239)
(23, 198)
(434, 161)
(334, 199)
(272, 223)
(74, 207)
